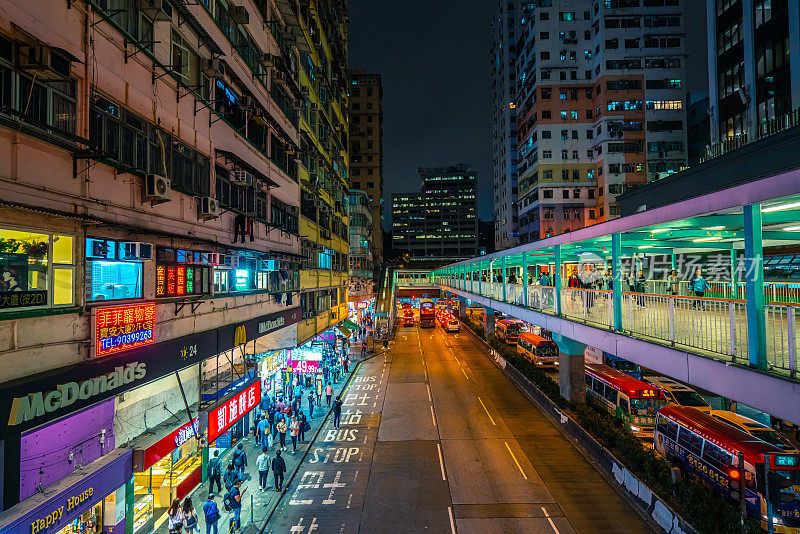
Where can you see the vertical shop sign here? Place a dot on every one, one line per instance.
(223, 416)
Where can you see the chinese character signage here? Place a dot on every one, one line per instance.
(305, 367)
(176, 280)
(222, 417)
(121, 328)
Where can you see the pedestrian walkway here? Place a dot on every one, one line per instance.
(256, 504)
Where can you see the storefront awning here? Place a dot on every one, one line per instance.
(343, 329)
(350, 324)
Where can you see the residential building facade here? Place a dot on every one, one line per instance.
(362, 262)
(439, 224)
(150, 237)
(600, 108)
(366, 149)
(750, 77)
(502, 72)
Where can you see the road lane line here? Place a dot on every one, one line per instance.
(487, 411)
(429, 392)
(550, 521)
(441, 461)
(518, 466)
(432, 416)
(452, 523)
(465, 373)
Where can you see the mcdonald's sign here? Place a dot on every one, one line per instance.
(239, 335)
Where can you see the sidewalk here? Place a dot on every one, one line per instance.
(257, 505)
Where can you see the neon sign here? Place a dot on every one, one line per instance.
(225, 415)
(121, 328)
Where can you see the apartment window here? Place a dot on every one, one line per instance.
(591, 214)
(546, 114)
(544, 35)
(563, 154)
(576, 193)
(590, 194)
(574, 134)
(544, 15)
(631, 43)
(547, 175)
(547, 193)
(574, 154)
(564, 134)
(576, 174)
(589, 134)
(547, 154)
(565, 174)
(544, 55)
(546, 94)
(546, 134)
(566, 16)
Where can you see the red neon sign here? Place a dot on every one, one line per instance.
(224, 416)
(121, 328)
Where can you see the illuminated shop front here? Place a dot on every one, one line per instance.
(89, 501)
(167, 465)
(273, 372)
(228, 420)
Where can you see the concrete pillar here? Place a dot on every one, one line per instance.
(571, 368)
(754, 287)
(462, 308)
(488, 327)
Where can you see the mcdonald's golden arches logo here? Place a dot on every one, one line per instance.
(239, 336)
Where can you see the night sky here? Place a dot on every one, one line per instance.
(433, 57)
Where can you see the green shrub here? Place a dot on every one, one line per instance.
(706, 511)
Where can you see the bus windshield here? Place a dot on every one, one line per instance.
(789, 481)
(646, 406)
(689, 398)
(625, 366)
(547, 348)
(513, 329)
(772, 437)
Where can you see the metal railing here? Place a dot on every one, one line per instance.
(765, 129)
(715, 327)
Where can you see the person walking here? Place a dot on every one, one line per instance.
(318, 388)
(672, 283)
(278, 470)
(328, 393)
(230, 477)
(262, 464)
(364, 350)
(311, 404)
(282, 427)
(235, 496)
(337, 411)
(280, 405)
(640, 283)
(175, 517)
(304, 426)
(699, 285)
(240, 460)
(214, 473)
(347, 364)
(294, 429)
(262, 432)
(211, 511)
(189, 516)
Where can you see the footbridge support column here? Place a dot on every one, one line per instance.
(488, 324)
(571, 380)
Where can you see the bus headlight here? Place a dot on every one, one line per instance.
(635, 429)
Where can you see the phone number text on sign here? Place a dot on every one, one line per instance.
(121, 328)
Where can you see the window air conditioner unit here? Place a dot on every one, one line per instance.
(232, 261)
(241, 178)
(269, 60)
(279, 77)
(246, 103)
(294, 210)
(268, 265)
(43, 58)
(157, 10)
(238, 14)
(133, 250)
(213, 258)
(209, 208)
(157, 189)
(213, 67)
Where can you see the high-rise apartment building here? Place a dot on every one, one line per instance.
(600, 107)
(362, 267)
(502, 69)
(366, 148)
(153, 253)
(750, 76)
(439, 224)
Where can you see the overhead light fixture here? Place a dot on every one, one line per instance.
(645, 246)
(791, 229)
(706, 239)
(781, 207)
(714, 228)
(660, 230)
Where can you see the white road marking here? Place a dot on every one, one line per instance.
(441, 461)
(429, 392)
(433, 418)
(516, 462)
(550, 521)
(487, 411)
(452, 523)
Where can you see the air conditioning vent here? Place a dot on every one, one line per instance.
(157, 189)
(213, 258)
(268, 265)
(238, 14)
(43, 58)
(213, 68)
(247, 103)
(232, 261)
(241, 178)
(269, 60)
(133, 250)
(209, 208)
(278, 77)
(157, 10)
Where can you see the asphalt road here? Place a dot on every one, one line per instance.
(435, 439)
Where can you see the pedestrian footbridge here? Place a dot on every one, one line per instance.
(738, 340)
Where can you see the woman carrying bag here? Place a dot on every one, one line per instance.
(175, 517)
(189, 517)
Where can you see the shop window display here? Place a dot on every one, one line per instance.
(36, 270)
(170, 478)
